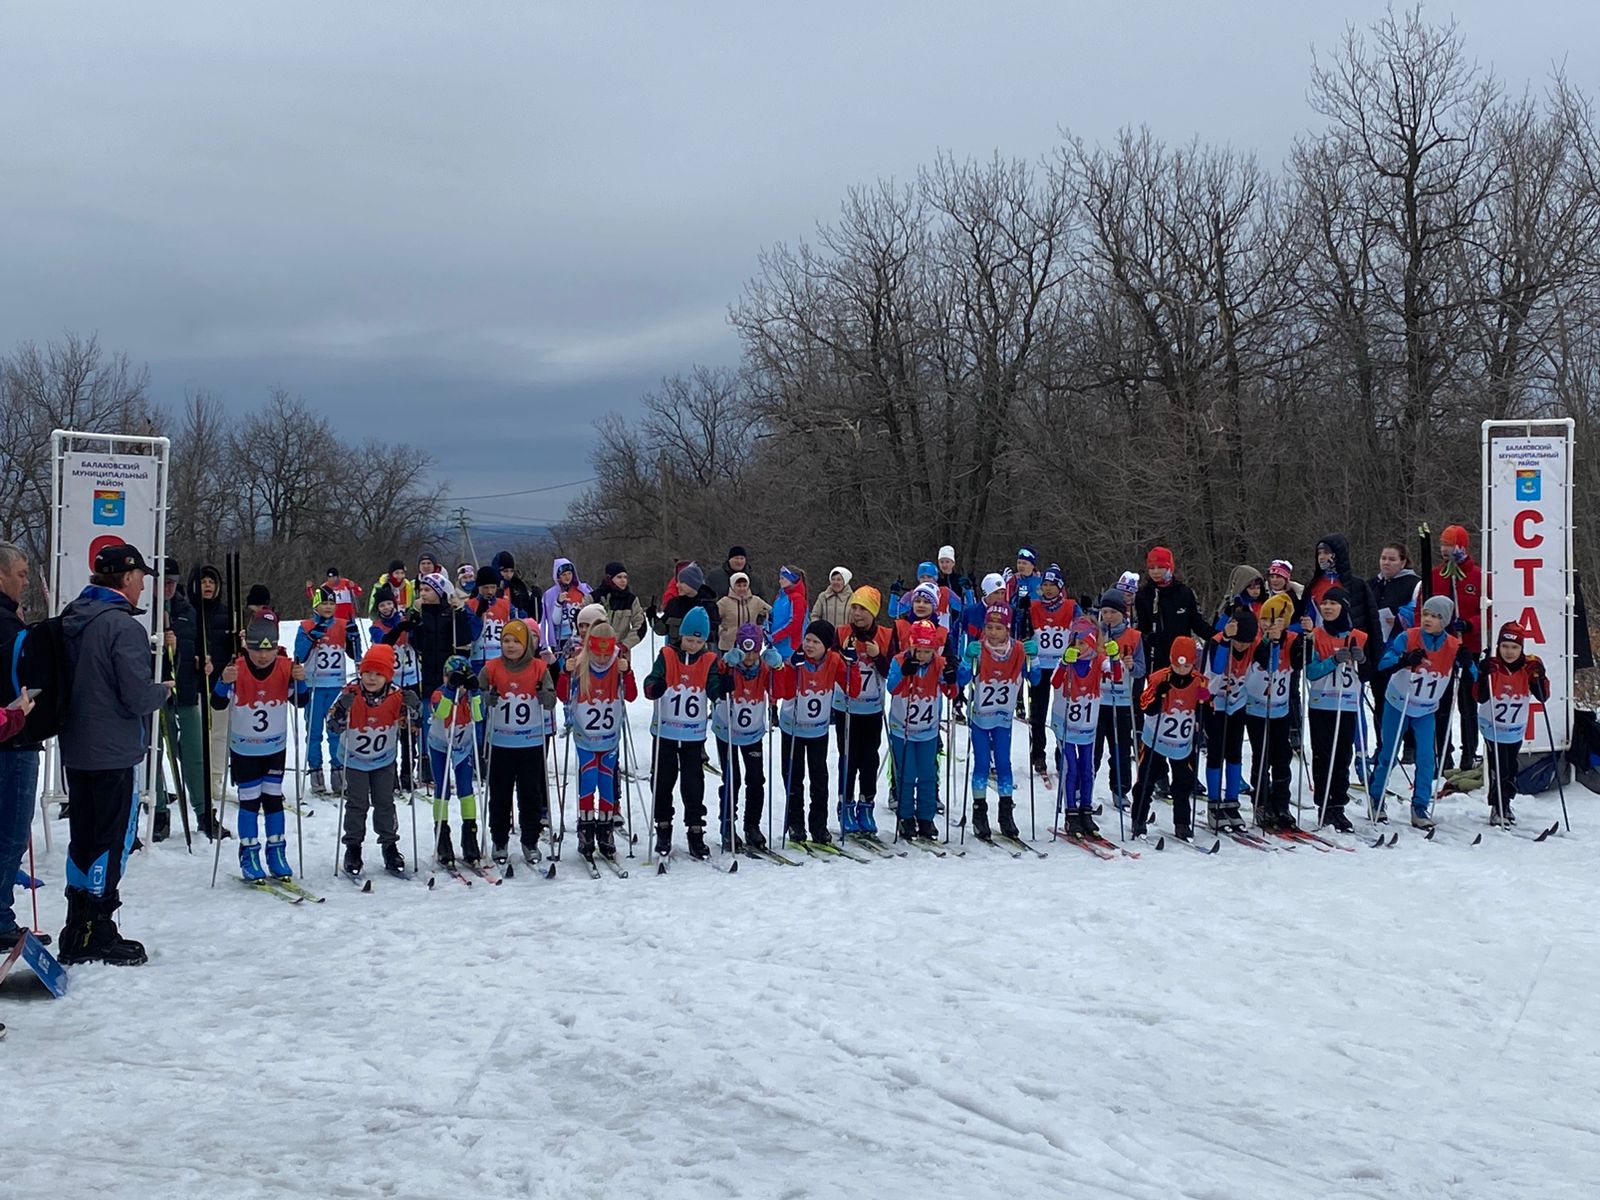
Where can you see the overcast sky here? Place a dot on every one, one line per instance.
(478, 226)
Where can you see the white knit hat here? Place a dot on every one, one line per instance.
(947, 552)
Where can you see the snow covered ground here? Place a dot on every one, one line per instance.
(1407, 1022)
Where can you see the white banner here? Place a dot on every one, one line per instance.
(1529, 511)
(106, 499)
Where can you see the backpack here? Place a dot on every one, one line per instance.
(39, 660)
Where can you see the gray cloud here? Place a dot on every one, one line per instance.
(472, 218)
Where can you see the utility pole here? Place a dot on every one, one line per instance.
(468, 553)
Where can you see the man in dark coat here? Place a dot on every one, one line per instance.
(181, 662)
(522, 596)
(1164, 609)
(103, 737)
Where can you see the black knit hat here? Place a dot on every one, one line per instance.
(615, 568)
(258, 596)
(824, 633)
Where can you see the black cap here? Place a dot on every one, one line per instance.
(114, 560)
(396, 565)
(333, 572)
(1249, 627)
(170, 568)
(737, 552)
(615, 568)
(258, 596)
(262, 635)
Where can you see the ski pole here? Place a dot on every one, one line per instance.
(1394, 754)
(1549, 733)
(972, 763)
(299, 785)
(344, 791)
(33, 872)
(416, 865)
(1438, 762)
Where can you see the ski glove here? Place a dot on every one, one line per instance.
(1031, 647)
(734, 657)
(1112, 649)
(463, 679)
(1071, 655)
(772, 658)
(1343, 655)
(972, 652)
(1357, 655)
(1413, 658)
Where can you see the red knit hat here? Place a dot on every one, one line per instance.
(1160, 556)
(1511, 632)
(1455, 535)
(379, 659)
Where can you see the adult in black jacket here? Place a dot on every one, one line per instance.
(1333, 569)
(213, 638)
(181, 626)
(1164, 608)
(437, 628)
(522, 596)
(690, 591)
(720, 579)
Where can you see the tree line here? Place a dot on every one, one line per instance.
(275, 483)
(1143, 342)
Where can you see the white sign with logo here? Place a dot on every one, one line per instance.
(1528, 515)
(106, 500)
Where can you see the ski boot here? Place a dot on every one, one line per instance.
(1008, 818)
(907, 829)
(211, 827)
(318, 788)
(605, 839)
(1420, 818)
(848, 822)
(663, 838)
(1230, 812)
(162, 827)
(1338, 820)
(337, 787)
(980, 819)
(1086, 823)
(499, 853)
(530, 852)
(250, 860)
(471, 853)
(754, 838)
(1285, 818)
(927, 831)
(1216, 816)
(821, 835)
(794, 834)
(278, 858)
(865, 817)
(697, 842)
(586, 839)
(445, 850)
(393, 861)
(1121, 802)
(94, 939)
(352, 861)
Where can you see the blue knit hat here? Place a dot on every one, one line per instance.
(927, 570)
(1052, 574)
(695, 624)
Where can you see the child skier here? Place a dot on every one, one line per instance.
(918, 677)
(1122, 643)
(388, 628)
(371, 718)
(455, 709)
(739, 722)
(1428, 658)
(1507, 686)
(596, 686)
(562, 600)
(1267, 684)
(345, 593)
(1052, 615)
(1334, 673)
(322, 644)
(487, 614)
(256, 689)
(996, 668)
(1078, 684)
(804, 688)
(862, 730)
(521, 691)
(1232, 652)
(683, 685)
(1171, 703)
